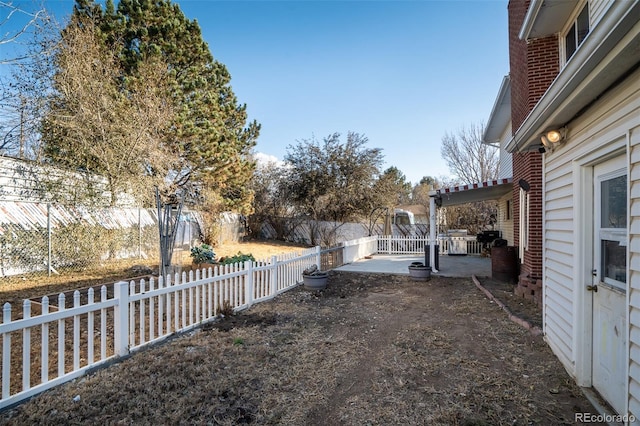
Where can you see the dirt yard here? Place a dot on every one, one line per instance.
(371, 349)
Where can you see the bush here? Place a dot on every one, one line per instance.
(238, 258)
(203, 254)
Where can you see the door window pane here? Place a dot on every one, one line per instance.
(614, 203)
(614, 261)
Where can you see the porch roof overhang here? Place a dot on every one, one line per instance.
(608, 54)
(462, 194)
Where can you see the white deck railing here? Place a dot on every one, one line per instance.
(396, 244)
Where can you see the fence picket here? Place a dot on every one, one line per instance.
(61, 337)
(26, 347)
(44, 343)
(103, 324)
(142, 316)
(197, 310)
(90, 328)
(132, 315)
(76, 332)
(176, 307)
(152, 321)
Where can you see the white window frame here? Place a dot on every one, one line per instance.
(571, 26)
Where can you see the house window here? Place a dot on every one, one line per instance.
(576, 33)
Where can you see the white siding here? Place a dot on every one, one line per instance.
(603, 131)
(634, 273)
(596, 9)
(505, 163)
(505, 204)
(505, 217)
(557, 259)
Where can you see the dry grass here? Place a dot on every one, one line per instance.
(15, 289)
(371, 349)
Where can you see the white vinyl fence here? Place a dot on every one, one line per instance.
(56, 340)
(396, 244)
(51, 342)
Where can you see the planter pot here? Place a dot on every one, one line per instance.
(420, 272)
(317, 281)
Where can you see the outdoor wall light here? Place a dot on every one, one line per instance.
(553, 137)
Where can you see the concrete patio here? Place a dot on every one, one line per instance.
(450, 266)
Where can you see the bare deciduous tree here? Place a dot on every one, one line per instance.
(471, 161)
(15, 22)
(27, 42)
(119, 135)
(272, 205)
(468, 158)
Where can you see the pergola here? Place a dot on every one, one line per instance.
(462, 194)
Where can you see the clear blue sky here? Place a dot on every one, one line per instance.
(403, 73)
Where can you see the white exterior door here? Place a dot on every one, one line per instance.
(609, 285)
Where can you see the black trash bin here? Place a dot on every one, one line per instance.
(427, 256)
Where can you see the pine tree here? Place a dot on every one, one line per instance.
(209, 135)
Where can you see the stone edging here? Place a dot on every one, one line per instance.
(535, 330)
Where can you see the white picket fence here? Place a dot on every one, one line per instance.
(397, 244)
(57, 343)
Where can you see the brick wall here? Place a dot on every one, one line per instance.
(528, 166)
(518, 64)
(543, 65)
(534, 64)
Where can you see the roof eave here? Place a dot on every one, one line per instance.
(608, 52)
(545, 18)
(500, 116)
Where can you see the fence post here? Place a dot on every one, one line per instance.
(248, 282)
(121, 318)
(318, 258)
(274, 275)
